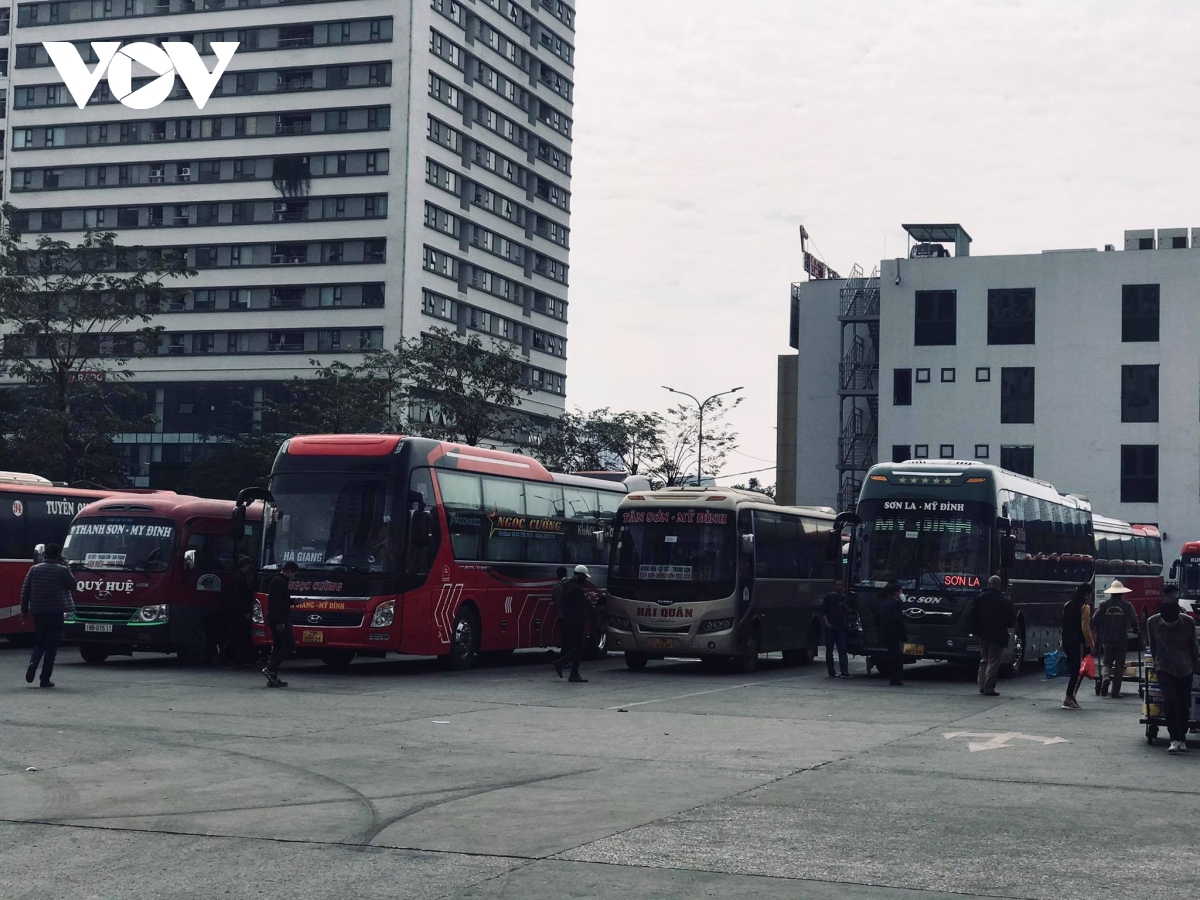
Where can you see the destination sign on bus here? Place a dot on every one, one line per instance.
(674, 517)
(924, 506)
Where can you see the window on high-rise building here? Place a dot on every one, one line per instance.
(1011, 316)
(935, 319)
(1139, 313)
(1139, 393)
(1017, 459)
(1016, 394)
(1139, 473)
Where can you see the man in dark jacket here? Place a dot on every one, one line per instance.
(891, 629)
(577, 610)
(1176, 661)
(46, 595)
(279, 620)
(835, 620)
(238, 604)
(991, 618)
(1114, 621)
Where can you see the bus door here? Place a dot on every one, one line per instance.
(207, 566)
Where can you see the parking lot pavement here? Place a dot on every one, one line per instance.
(397, 779)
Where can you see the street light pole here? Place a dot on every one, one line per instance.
(700, 438)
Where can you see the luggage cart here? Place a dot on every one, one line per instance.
(1151, 697)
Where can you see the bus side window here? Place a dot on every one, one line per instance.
(420, 495)
(15, 543)
(214, 552)
(816, 535)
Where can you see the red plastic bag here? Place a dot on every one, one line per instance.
(1087, 668)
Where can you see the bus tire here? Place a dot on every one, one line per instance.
(92, 654)
(338, 660)
(464, 640)
(636, 661)
(1013, 668)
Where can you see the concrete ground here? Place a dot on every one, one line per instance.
(399, 780)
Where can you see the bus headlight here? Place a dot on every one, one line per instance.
(385, 614)
(68, 618)
(620, 623)
(256, 613)
(151, 615)
(715, 625)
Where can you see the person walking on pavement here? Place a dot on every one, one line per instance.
(835, 619)
(279, 619)
(991, 617)
(1077, 639)
(1115, 619)
(557, 595)
(1176, 660)
(576, 612)
(891, 628)
(46, 595)
(238, 603)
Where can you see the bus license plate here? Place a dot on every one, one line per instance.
(93, 626)
(312, 637)
(914, 649)
(662, 644)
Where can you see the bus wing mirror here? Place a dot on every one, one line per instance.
(39, 553)
(189, 560)
(1008, 550)
(1003, 524)
(238, 528)
(1174, 570)
(747, 543)
(421, 529)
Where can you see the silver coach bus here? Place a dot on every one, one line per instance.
(719, 575)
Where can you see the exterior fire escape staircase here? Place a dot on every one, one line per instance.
(858, 384)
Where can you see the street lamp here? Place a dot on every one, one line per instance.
(700, 440)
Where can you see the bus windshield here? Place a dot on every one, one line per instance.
(330, 521)
(1189, 577)
(924, 543)
(120, 542)
(675, 548)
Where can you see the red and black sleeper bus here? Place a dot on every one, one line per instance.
(33, 511)
(414, 546)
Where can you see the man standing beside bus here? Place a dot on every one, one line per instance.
(835, 618)
(991, 617)
(279, 619)
(891, 628)
(46, 594)
(239, 601)
(576, 612)
(1115, 618)
(1176, 660)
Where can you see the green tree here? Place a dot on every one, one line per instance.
(676, 461)
(601, 440)
(74, 316)
(473, 387)
(758, 487)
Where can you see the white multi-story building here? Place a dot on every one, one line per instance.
(364, 171)
(1078, 367)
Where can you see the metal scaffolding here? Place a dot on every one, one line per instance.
(858, 384)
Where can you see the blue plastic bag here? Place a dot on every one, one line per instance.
(1056, 664)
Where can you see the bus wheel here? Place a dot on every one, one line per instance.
(92, 655)
(338, 660)
(1013, 669)
(746, 662)
(464, 644)
(636, 661)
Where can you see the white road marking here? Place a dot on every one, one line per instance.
(999, 741)
(735, 687)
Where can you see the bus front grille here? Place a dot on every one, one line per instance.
(105, 613)
(327, 619)
(665, 629)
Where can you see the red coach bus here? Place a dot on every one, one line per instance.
(150, 573)
(33, 511)
(1185, 571)
(425, 548)
(1131, 554)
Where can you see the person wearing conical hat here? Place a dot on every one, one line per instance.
(1114, 621)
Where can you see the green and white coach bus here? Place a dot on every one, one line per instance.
(717, 574)
(941, 528)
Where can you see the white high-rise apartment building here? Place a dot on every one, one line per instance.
(364, 171)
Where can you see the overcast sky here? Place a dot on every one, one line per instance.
(707, 131)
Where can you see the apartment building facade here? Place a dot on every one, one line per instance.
(364, 170)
